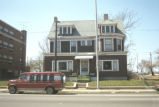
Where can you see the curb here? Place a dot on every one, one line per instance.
(121, 87)
(65, 91)
(3, 87)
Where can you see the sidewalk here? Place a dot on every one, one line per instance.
(97, 91)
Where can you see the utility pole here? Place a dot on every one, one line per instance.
(151, 64)
(137, 62)
(96, 27)
(55, 21)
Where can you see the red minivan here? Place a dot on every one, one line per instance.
(51, 82)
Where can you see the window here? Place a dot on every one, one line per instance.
(5, 56)
(11, 33)
(86, 43)
(107, 29)
(119, 45)
(5, 44)
(67, 30)
(83, 43)
(6, 30)
(73, 46)
(64, 30)
(89, 42)
(1, 27)
(23, 77)
(44, 77)
(51, 77)
(62, 66)
(103, 29)
(109, 65)
(38, 77)
(11, 46)
(31, 78)
(112, 29)
(108, 44)
(65, 66)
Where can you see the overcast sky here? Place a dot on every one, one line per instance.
(36, 16)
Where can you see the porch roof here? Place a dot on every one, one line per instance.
(83, 57)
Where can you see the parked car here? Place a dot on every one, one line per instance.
(157, 87)
(51, 82)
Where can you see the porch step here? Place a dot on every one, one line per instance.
(81, 85)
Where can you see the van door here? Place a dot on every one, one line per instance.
(22, 82)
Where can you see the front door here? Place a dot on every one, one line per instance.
(84, 67)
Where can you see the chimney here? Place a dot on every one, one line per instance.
(105, 16)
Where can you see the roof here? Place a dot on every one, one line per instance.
(86, 28)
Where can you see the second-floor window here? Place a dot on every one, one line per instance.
(65, 30)
(5, 44)
(119, 45)
(108, 44)
(1, 27)
(73, 46)
(86, 43)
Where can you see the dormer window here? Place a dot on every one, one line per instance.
(65, 30)
(107, 29)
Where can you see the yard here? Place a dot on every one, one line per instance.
(125, 83)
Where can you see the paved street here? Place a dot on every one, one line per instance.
(79, 100)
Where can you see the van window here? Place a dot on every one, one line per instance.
(51, 78)
(32, 78)
(23, 77)
(44, 77)
(38, 77)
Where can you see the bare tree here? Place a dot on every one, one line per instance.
(35, 65)
(129, 19)
(147, 64)
(140, 67)
(44, 45)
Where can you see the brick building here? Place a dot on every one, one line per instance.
(76, 49)
(12, 51)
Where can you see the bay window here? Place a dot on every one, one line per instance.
(108, 44)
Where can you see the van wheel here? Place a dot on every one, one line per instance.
(49, 90)
(12, 89)
(55, 91)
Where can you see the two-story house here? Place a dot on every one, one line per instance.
(76, 50)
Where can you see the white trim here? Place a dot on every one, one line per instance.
(86, 53)
(83, 57)
(80, 66)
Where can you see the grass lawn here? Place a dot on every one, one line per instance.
(69, 84)
(125, 83)
(3, 83)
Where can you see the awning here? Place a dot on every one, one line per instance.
(83, 57)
